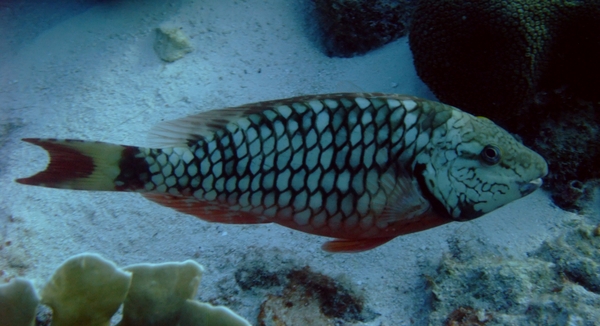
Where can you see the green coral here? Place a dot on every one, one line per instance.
(88, 290)
(494, 57)
(18, 302)
(159, 292)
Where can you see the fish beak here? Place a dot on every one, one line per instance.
(530, 187)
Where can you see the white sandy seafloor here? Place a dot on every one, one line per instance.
(73, 72)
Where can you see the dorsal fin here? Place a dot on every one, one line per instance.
(186, 131)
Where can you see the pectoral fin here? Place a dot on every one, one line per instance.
(399, 208)
(399, 198)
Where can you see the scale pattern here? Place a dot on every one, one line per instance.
(315, 162)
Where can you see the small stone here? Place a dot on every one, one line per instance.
(171, 43)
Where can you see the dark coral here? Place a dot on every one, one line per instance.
(530, 65)
(466, 316)
(256, 277)
(568, 135)
(289, 290)
(357, 26)
(336, 301)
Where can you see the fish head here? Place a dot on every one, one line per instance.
(478, 167)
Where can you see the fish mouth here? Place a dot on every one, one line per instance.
(530, 186)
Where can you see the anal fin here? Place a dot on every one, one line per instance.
(206, 210)
(354, 245)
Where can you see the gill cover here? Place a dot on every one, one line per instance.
(476, 167)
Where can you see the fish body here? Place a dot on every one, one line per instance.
(359, 167)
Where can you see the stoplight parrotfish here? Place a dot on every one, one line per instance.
(362, 168)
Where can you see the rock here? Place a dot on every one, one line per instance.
(557, 285)
(171, 43)
(577, 256)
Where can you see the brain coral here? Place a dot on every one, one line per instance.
(495, 57)
(530, 65)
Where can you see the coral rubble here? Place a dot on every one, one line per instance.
(557, 285)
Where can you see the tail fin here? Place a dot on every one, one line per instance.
(82, 165)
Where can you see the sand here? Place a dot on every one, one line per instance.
(89, 72)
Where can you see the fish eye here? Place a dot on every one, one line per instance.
(490, 154)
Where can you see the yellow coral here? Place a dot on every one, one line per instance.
(88, 290)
